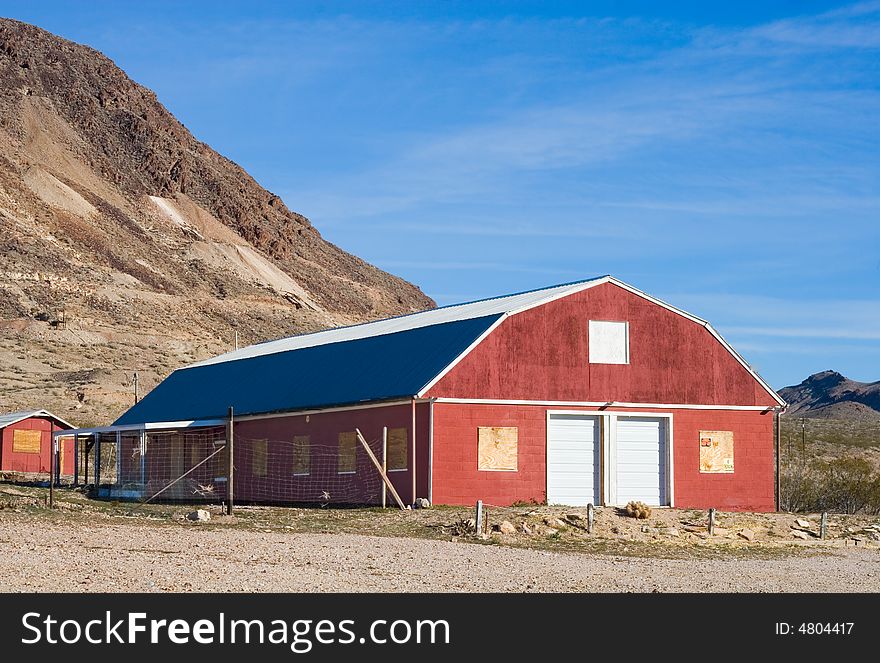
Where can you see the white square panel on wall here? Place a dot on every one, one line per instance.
(609, 342)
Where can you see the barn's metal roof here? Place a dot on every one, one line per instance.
(455, 312)
(14, 417)
(371, 368)
(382, 360)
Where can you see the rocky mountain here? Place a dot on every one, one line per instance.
(830, 395)
(128, 245)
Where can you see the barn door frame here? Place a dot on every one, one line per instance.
(609, 452)
(600, 422)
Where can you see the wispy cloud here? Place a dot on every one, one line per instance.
(751, 316)
(807, 332)
(467, 266)
(833, 29)
(489, 155)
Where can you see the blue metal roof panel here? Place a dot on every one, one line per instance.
(435, 316)
(367, 369)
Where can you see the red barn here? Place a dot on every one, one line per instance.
(589, 392)
(27, 442)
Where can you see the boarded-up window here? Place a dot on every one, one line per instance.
(497, 448)
(347, 458)
(716, 451)
(301, 455)
(220, 463)
(26, 441)
(397, 449)
(609, 342)
(195, 452)
(259, 458)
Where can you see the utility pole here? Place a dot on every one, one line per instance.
(804, 439)
(236, 339)
(136, 392)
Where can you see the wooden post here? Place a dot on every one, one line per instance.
(384, 464)
(230, 466)
(378, 467)
(51, 465)
(711, 522)
(823, 525)
(478, 517)
(590, 518)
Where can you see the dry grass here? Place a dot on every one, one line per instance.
(670, 533)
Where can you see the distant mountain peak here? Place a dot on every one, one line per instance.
(830, 394)
(824, 376)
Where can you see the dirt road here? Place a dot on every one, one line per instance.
(114, 556)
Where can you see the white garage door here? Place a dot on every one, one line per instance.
(572, 460)
(641, 460)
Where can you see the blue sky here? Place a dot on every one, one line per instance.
(722, 156)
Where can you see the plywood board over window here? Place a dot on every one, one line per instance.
(260, 457)
(195, 452)
(498, 448)
(347, 458)
(26, 441)
(609, 342)
(398, 449)
(301, 455)
(716, 451)
(220, 464)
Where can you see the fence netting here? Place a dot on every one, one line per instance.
(192, 466)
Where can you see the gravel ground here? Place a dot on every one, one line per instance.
(37, 556)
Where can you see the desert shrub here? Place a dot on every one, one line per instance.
(843, 485)
(638, 510)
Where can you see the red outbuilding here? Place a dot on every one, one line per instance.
(589, 392)
(27, 443)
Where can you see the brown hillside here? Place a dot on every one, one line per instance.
(155, 247)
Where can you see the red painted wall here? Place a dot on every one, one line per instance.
(11, 461)
(323, 429)
(751, 486)
(458, 481)
(543, 354)
(455, 475)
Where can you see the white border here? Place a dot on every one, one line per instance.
(608, 440)
(625, 324)
(600, 420)
(601, 404)
(431, 450)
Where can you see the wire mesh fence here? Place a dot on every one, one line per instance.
(192, 466)
(307, 472)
